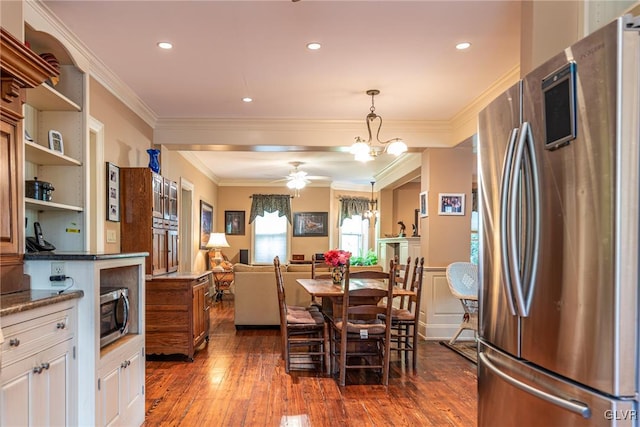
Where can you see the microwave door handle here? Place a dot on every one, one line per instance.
(125, 321)
(505, 203)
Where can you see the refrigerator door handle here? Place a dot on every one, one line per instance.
(570, 405)
(533, 204)
(504, 209)
(530, 258)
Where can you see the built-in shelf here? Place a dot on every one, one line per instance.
(41, 155)
(44, 97)
(41, 205)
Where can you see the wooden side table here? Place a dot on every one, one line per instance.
(223, 280)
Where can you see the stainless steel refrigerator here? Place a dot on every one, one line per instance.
(559, 157)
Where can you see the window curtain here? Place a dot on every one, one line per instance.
(270, 203)
(351, 206)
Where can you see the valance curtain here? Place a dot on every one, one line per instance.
(270, 203)
(351, 206)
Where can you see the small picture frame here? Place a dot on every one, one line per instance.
(113, 192)
(234, 223)
(55, 141)
(424, 204)
(310, 224)
(206, 221)
(451, 204)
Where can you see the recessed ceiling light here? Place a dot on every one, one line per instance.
(314, 46)
(463, 45)
(247, 99)
(165, 45)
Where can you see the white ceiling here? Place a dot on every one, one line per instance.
(225, 50)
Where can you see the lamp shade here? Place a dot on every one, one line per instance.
(217, 240)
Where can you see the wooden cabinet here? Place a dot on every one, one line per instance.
(149, 218)
(20, 68)
(38, 370)
(177, 313)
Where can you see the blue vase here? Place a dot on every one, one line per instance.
(154, 164)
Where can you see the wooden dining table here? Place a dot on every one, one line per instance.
(332, 293)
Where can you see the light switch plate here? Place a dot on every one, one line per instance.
(111, 236)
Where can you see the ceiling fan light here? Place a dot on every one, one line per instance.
(296, 184)
(397, 147)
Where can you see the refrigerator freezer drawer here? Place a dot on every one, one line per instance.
(512, 392)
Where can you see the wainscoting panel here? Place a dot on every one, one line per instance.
(442, 312)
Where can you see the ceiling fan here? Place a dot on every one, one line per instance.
(298, 179)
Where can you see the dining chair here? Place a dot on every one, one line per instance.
(302, 329)
(360, 339)
(402, 278)
(462, 278)
(405, 321)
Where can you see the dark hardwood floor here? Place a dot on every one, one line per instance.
(238, 379)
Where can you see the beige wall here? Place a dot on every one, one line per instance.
(126, 139)
(406, 199)
(11, 18)
(446, 239)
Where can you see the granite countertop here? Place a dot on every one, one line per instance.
(28, 300)
(79, 256)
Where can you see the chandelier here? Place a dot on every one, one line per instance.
(363, 150)
(373, 204)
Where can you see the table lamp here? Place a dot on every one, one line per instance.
(217, 241)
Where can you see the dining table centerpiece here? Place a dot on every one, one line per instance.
(337, 259)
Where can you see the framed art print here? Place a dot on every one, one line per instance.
(310, 224)
(451, 204)
(113, 192)
(234, 223)
(424, 207)
(55, 141)
(206, 221)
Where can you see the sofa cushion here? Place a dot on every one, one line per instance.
(255, 268)
(295, 268)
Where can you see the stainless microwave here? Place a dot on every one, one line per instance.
(114, 314)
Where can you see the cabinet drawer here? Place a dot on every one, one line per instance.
(26, 338)
(158, 223)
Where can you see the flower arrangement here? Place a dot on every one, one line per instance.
(336, 257)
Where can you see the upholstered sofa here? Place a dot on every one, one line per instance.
(256, 297)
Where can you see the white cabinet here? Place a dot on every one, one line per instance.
(60, 109)
(121, 389)
(111, 384)
(37, 377)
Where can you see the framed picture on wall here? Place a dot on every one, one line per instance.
(234, 223)
(113, 192)
(206, 221)
(451, 204)
(424, 207)
(310, 224)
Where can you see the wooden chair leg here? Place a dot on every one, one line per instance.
(326, 348)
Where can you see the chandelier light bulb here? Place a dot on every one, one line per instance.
(397, 147)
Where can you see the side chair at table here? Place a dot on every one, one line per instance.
(405, 321)
(360, 340)
(305, 334)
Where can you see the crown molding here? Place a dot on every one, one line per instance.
(192, 158)
(465, 122)
(87, 61)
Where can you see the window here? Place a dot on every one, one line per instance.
(270, 238)
(354, 235)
